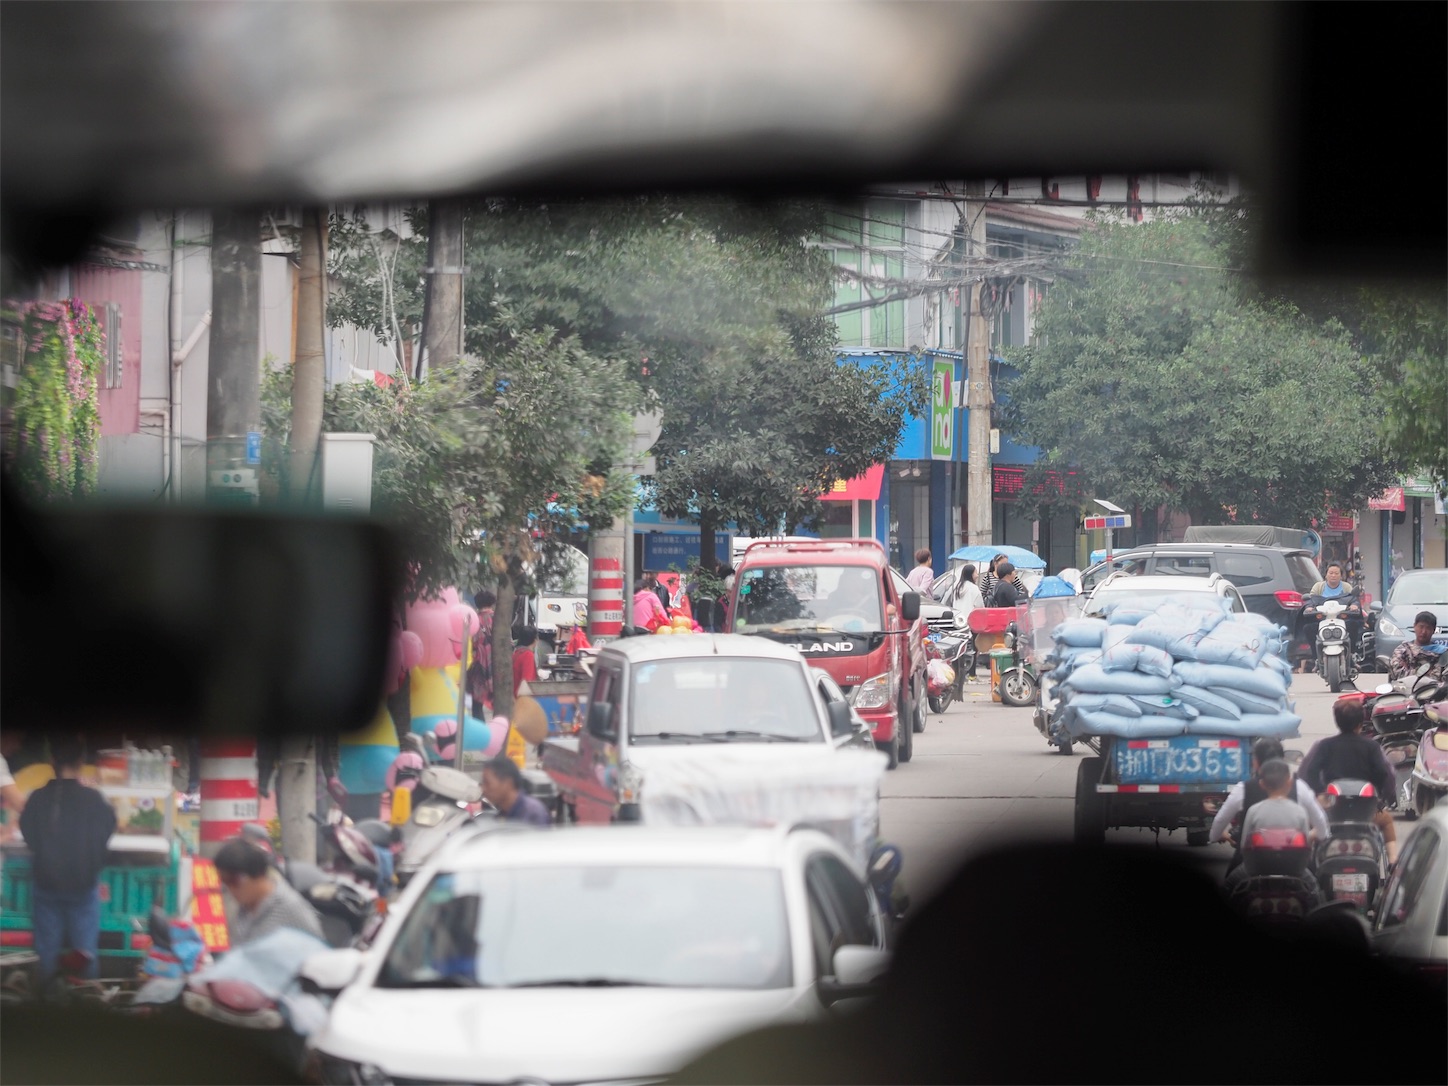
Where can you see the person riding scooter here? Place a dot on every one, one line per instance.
(1247, 794)
(1418, 649)
(1350, 755)
(1331, 587)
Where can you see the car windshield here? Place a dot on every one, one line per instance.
(841, 599)
(723, 698)
(595, 925)
(1420, 589)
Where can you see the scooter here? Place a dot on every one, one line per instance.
(440, 803)
(1397, 715)
(1430, 771)
(176, 953)
(1336, 658)
(1277, 886)
(1353, 862)
(946, 684)
(345, 891)
(1019, 683)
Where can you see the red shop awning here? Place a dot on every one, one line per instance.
(861, 488)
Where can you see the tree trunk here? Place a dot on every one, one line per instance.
(443, 309)
(503, 647)
(297, 798)
(707, 557)
(309, 369)
(233, 401)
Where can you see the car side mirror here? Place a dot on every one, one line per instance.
(329, 971)
(601, 722)
(1376, 607)
(910, 606)
(858, 973)
(841, 721)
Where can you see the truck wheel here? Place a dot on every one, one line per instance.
(918, 713)
(1198, 838)
(905, 729)
(1090, 807)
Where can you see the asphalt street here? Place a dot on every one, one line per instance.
(982, 776)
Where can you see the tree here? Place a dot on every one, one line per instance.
(719, 300)
(1162, 384)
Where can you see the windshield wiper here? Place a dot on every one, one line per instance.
(589, 982)
(736, 734)
(694, 736)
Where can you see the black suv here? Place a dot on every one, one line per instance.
(1272, 580)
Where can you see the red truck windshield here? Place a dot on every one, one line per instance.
(819, 598)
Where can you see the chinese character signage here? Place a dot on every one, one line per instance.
(1389, 501)
(208, 911)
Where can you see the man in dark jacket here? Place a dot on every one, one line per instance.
(1007, 592)
(67, 827)
(1351, 755)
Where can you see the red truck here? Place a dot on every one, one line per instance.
(838, 602)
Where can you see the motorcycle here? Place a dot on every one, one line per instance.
(439, 807)
(1353, 862)
(1397, 715)
(1430, 770)
(1019, 684)
(1277, 886)
(176, 953)
(1337, 656)
(258, 987)
(956, 652)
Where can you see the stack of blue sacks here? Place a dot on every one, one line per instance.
(1175, 670)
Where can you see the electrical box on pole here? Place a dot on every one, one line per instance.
(347, 472)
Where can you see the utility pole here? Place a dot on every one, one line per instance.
(978, 390)
(442, 332)
(309, 369)
(297, 771)
(233, 401)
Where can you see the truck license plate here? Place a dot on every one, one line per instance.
(1350, 884)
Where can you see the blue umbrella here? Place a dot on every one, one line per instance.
(1019, 556)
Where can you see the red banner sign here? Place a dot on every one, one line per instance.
(1389, 501)
(208, 911)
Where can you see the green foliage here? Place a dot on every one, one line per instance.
(1407, 330)
(51, 447)
(1162, 385)
(567, 304)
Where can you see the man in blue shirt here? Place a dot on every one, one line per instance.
(503, 788)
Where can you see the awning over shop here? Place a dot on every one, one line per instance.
(1389, 501)
(861, 488)
(1421, 487)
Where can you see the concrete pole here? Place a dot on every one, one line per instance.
(309, 369)
(233, 402)
(978, 390)
(443, 333)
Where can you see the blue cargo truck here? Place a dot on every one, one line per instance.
(1158, 784)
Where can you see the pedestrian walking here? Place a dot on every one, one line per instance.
(968, 599)
(1007, 591)
(989, 578)
(923, 574)
(525, 664)
(480, 671)
(67, 827)
(503, 788)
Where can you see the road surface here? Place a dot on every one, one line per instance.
(983, 776)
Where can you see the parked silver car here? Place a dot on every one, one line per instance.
(1411, 927)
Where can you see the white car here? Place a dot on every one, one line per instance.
(598, 954)
(1151, 592)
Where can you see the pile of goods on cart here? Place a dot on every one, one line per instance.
(1173, 670)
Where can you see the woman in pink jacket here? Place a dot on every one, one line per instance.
(647, 610)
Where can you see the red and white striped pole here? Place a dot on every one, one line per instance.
(228, 790)
(605, 598)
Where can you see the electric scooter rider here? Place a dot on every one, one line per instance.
(1350, 755)
(1415, 650)
(1246, 794)
(1333, 587)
